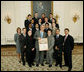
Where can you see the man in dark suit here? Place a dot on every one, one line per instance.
(28, 21)
(68, 47)
(36, 18)
(50, 18)
(43, 18)
(46, 27)
(58, 48)
(22, 39)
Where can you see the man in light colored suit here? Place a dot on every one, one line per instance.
(39, 54)
(50, 47)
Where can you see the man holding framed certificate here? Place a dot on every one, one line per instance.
(43, 44)
(40, 36)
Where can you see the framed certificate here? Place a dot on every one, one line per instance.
(43, 44)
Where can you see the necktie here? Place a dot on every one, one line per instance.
(65, 38)
(41, 34)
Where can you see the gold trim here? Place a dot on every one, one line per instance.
(52, 7)
(32, 8)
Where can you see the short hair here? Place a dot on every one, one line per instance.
(49, 30)
(58, 29)
(18, 29)
(66, 29)
(36, 12)
(29, 15)
(43, 13)
(46, 17)
(47, 24)
(23, 28)
(51, 13)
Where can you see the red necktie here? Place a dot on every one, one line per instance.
(65, 38)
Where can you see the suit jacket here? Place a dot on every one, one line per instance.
(22, 40)
(35, 20)
(69, 43)
(59, 42)
(43, 20)
(51, 42)
(36, 35)
(29, 43)
(46, 30)
(50, 21)
(57, 26)
(27, 22)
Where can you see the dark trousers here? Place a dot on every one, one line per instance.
(58, 57)
(68, 58)
(23, 51)
(29, 57)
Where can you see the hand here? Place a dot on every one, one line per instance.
(56, 48)
(39, 38)
(32, 49)
(25, 46)
(46, 50)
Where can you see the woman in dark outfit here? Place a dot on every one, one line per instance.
(30, 49)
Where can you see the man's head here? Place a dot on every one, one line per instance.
(51, 15)
(29, 17)
(49, 32)
(29, 32)
(42, 27)
(53, 24)
(30, 25)
(36, 25)
(46, 19)
(46, 25)
(36, 14)
(24, 30)
(32, 21)
(43, 15)
(57, 31)
(66, 30)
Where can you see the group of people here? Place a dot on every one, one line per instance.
(27, 43)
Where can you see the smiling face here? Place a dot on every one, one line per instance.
(24, 31)
(57, 31)
(66, 32)
(49, 33)
(46, 19)
(36, 15)
(29, 32)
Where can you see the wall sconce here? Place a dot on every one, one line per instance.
(57, 17)
(75, 18)
(8, 19)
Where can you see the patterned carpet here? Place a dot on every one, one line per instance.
(9, 61)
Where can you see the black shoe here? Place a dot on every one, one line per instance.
(56, 64)
(30, 65)
(37, 65)
(42, 64)
(20, 61)
(69, 69)
(50, 65)
(33, 64)
(60, 66)
(23, 63)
